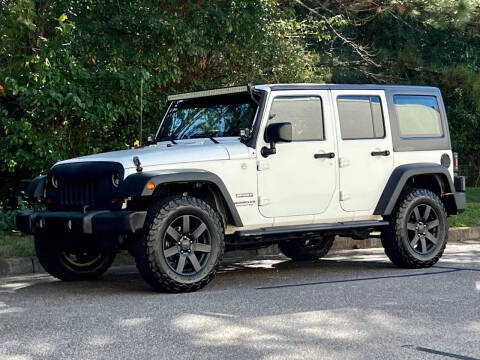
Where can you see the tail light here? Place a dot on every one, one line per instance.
(455, 162)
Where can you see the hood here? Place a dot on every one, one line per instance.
(164, 153)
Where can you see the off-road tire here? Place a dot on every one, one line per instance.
(151, 261)
(395, 238)
(57, 263)
(308, 249)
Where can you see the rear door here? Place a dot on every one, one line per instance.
(364, 147)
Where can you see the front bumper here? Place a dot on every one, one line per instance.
(90, 222)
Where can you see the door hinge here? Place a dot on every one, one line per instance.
(342, 162)
(263, 201)
(344, 196)
(262, 165)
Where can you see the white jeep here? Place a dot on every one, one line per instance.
(250, 166)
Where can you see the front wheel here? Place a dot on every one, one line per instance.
(70, 264)
(182, 246)
(418, 230)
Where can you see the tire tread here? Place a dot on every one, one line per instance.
(145, 247)
(392, 236)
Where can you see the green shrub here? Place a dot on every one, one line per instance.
(7, 217)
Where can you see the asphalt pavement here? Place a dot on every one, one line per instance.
(350, 305)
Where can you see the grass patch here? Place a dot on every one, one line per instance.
(15, 244)
(471, 217)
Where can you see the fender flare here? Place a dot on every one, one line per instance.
(35, 187)
(135, 185)
(399, 178)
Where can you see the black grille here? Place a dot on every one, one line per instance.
(77, 193)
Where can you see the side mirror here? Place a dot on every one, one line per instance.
(279, 132)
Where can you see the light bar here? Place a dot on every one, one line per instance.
(205, 93)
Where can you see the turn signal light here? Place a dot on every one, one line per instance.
(150, 185)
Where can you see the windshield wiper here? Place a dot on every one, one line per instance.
(168, 138)
(205, 135)
(213, 139)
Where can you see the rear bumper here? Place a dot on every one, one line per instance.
(459, 196)
(91, 222)
(460, 202)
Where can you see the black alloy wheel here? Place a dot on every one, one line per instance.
(418, 230)
(68, 264)
(182, 244)
(187, 245)
(423, 225)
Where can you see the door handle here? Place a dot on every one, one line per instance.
(324, 156)
(381, 153)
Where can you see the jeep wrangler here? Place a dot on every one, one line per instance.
(245, 167)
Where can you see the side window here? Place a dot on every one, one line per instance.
(305, 113)
(361, 117)
(418, 116)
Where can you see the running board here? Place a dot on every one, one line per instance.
(277, 230)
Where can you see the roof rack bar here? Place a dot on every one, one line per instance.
(213, 92)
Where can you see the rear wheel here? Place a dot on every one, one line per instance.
(182, 246)
(418, 230)
(308, 249)
(71, 264)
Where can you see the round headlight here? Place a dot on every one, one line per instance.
(116, 178)
(54, 181)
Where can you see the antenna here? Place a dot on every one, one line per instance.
(141, 110)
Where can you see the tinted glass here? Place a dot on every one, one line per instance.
(216, 116)
(305, 114)
(361, 117)
(418, 116)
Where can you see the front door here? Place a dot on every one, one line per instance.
(364, 147)
(300, 178)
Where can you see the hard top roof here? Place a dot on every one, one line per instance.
(275, 87)
(279, 87)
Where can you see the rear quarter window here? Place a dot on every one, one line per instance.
(418, 116)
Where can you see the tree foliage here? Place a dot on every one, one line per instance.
(73, 73)
(72, 69)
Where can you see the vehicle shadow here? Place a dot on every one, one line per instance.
(261, 271)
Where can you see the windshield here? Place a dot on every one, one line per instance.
(219, 116)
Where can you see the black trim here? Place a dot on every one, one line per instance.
(85, 185)
(380, 153)
(35, 188)
(460, 183)
(135, 185)
(276, 230)
(90, 222)
(460, 202)
(329, 155)
(399, 178)
(257, 122)
(283, 87)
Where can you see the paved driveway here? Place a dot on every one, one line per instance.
(352, 305)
